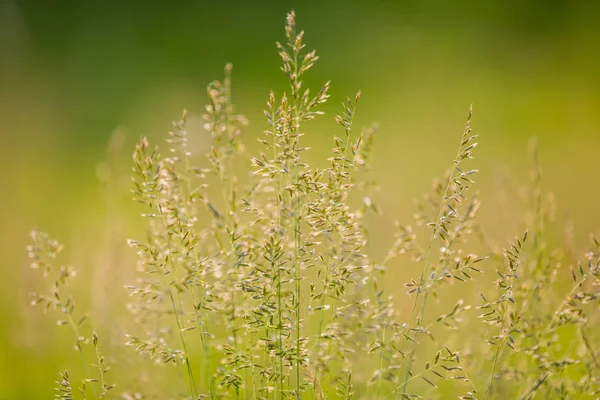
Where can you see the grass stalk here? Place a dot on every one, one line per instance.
(425, 271)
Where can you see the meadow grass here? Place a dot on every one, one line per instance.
(257, 284)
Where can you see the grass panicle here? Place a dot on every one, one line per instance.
(255, 278)
(43, 254)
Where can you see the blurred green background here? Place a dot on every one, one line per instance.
(81, 81)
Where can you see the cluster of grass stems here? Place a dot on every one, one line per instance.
(259, 286)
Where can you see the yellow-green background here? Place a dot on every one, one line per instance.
(73, 74)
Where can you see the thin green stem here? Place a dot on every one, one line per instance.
(279, 328)
(496, 355)
(381, 363)
(297, 239)
(181, 331)
(201, 320)
(426, 270)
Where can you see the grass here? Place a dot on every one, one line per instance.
(254, 282)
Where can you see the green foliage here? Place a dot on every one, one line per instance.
(260, 286)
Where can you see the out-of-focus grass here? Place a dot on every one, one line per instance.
(69, 77)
